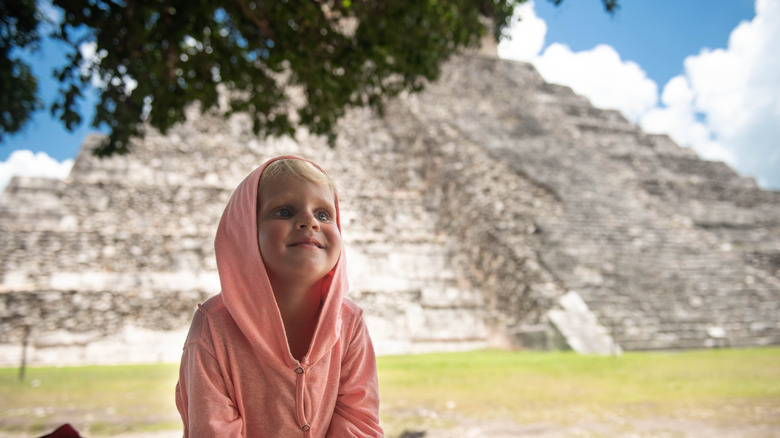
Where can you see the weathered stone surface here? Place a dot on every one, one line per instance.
(580, 327)
(469, 210)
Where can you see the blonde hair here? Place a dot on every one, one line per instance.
(292, 167)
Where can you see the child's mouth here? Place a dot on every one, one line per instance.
(308, 242)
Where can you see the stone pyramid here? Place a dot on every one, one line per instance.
(493, 209)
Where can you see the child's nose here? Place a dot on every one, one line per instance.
(308, 221)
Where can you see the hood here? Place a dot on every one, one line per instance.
(246, 289)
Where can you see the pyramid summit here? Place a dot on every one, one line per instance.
(492, 209)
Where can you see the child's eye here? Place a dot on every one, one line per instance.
(323, 216)
(283, 212)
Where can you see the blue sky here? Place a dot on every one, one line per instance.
(658, 35)
(44, 133)
(703, 71)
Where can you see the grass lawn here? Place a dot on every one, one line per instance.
(96, 400)
(420, 392)
(733, 386)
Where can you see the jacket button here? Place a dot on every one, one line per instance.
(299, 370)
(306, 428)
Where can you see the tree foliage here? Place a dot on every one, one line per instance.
(286, 63)
(18, 87)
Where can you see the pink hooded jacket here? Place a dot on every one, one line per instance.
(238, 377)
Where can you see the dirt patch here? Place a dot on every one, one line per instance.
(646, 428)
(658, 427)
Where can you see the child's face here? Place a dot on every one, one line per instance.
(297, 231)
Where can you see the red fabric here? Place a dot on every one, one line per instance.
(64, 431)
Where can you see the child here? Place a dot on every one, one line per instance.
(280, 352)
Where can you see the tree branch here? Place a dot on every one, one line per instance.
(261, 22)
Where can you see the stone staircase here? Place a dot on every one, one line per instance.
(646, 262)
(472, 213)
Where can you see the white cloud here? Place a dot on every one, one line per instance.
(738, 91)
(602, 76)
(527, 37)
(726, 106)
(598, 74)
(26, 163)
(678, 119)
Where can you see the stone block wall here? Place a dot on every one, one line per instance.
(661, 269)
(470, 211)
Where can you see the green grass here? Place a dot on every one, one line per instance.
(437, 390)
(103, 400)
(563, 387)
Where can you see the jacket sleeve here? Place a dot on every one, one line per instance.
(202, 395)
(357, 407)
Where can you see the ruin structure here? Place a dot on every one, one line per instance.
(492, 209)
